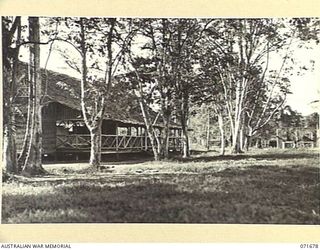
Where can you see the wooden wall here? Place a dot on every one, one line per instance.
(48, 129)
(20, 131)
(109, 127)
(55, 112)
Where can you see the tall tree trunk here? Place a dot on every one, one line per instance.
(278, 139)
(33, 164)
(241, 139)
(208, 132)
(248, 139)
(222, 136)
(95, 152)
(26, 140)
(184, 118)
(237, 142)
(186, 144)
(159, 145)
(166, 137)
(9, 152)
(31, 116)
(235, 138)
(93, 119)
(94, 129)
(10, 74)
(150, 130)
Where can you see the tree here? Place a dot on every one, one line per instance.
(170, 46)
(185, 46)
(238, 50)
(141, 81)
(158, 33)
(312, 120)
(14, 38)
(44, 81)
(201, 124)
(98, 60)
(211, 94)
(33, 161)
(308, 29)
(11, 36)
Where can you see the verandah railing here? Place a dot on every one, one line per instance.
(111, 142)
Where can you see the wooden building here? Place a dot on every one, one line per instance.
(64, 130)
(288, 137)
(296, 137)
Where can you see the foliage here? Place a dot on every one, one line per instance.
(308, 28)
(289, 118)
(235, 59)
(103, 51)
(179, 62)
(167, 69)
(312, 120)
(100, 44)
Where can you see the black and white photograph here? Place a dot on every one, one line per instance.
(160, 120)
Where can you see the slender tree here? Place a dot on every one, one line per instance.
(238, 49)
(210, 93)
(99, 58)
(185, 47)
(33, 161)
(171, 45)
(11, 36)
(156, 32)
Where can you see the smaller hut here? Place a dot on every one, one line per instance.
(296, 137)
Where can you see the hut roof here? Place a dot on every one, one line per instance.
(121, 105)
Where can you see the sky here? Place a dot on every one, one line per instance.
(305, 87)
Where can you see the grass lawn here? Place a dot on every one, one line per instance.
(266, 186)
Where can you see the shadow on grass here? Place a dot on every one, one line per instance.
(268, 156)
(112, 158)
(260, 194)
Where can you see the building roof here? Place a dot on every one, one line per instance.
(122, 105)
